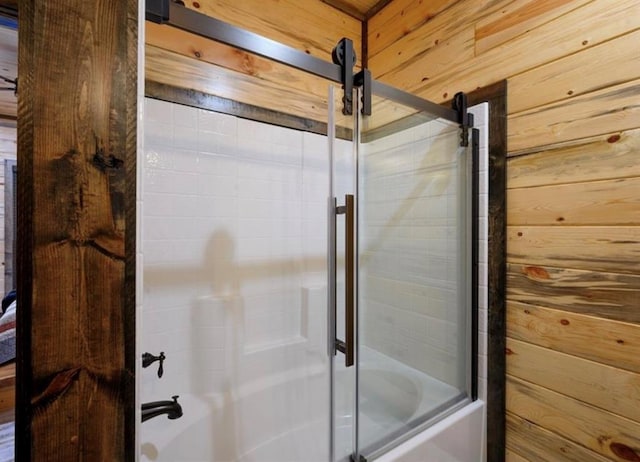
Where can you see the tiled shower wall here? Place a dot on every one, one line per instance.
(412, 300)
(233, 218)
(234, 248)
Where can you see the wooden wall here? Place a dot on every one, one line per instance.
(573, 200)
(180, 59)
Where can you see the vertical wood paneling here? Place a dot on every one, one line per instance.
(76, 230)
(573, 241)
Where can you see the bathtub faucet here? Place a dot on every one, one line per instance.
(156, 408)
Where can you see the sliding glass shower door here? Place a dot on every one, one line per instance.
(405, 276)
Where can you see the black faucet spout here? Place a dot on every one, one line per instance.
(156, 408)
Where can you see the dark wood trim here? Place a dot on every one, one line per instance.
(76, 230)
(345, 8)
(375, 9)
(194, 98)
(365, 44)
(496, 96)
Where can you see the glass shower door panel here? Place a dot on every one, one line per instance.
(343, 184)
(235, 287)
(414, 295)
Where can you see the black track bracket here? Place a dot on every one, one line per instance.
(363, 79)
(157, 11)
(459, 104)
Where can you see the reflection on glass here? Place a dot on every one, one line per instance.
(413, 271)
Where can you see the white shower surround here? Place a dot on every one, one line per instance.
(186, 149)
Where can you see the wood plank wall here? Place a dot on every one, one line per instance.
(76, 230)
(573, 200)
(184, 60)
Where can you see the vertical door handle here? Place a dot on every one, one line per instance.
(348, 345)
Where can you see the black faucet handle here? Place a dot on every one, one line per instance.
(148, 359)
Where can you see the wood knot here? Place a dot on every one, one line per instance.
(585, 42)
(624, 452)
(520, 234)
(74, 439)
(564, 322)
(560, 219)
(570, 92)
(620, 341)
(527, 312)
(424, 79)
(536, 272)
(508, 351)
(196, 5)
(106, 162)
(613, 138)
(197, 54)
(445, 95)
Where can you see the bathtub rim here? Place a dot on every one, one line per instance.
(418, 438)
(442, 413)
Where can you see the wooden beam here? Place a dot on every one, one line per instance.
(76, 230)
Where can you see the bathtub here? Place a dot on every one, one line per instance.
(261, 423)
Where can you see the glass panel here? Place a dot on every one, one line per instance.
(414, 272)
(343, 183)
(235, 287)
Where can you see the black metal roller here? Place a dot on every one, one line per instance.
(337, 55)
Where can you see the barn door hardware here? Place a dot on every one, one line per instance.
(465, 119)
(363, 79)
(344, 56)
(157, 11)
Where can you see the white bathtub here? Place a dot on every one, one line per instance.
(262, 423)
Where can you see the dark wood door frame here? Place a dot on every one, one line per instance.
(76, 230)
